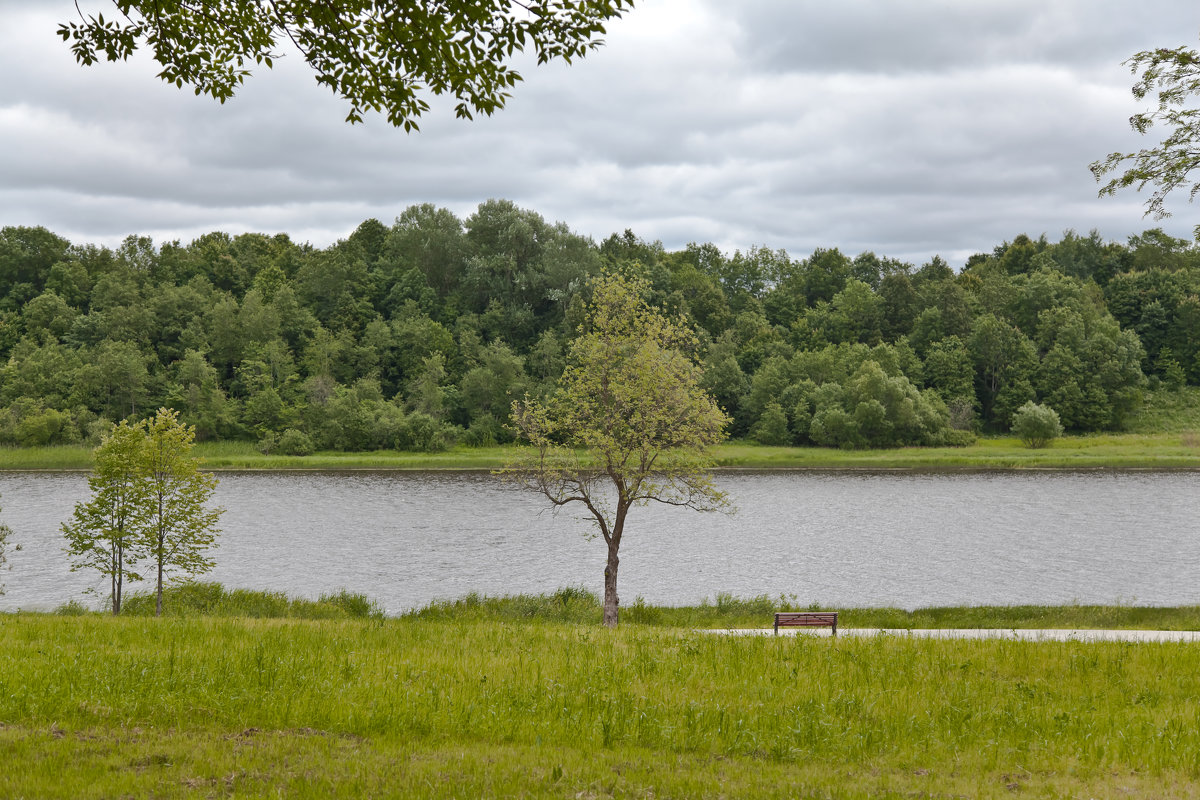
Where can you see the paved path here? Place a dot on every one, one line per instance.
(1023, 634)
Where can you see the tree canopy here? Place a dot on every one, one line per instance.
(418, 335)
(378, 55)
(1173, 77)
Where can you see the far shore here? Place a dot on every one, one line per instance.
(1163, 451)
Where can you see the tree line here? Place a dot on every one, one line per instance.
(420, 334)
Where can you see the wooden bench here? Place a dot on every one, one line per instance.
(806, 619)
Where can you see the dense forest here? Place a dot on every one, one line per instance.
(419, 335)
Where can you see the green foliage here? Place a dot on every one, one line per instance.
(873, 409)
(294, 443)
(1036, 425)
(1173, 76)
(148, 504)
(106, 533)
(178, 528)
(419, 335)
(772, 427)
(377, 56)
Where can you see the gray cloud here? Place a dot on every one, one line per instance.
(908, 128)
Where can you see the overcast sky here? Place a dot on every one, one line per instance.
(908, 127)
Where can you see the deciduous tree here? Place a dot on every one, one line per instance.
(103, 533)
(628, 424)
(179, 527)
(378, 55)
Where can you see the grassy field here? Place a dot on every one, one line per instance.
(94, 707)
(1107, 451)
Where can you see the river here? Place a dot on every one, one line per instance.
(839, 539)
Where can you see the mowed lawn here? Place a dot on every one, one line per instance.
(95, 707)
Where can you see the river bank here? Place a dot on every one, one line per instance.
(1163, 451)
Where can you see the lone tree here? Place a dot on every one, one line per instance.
(628, 423)
(179, 528)
(379, 55)
(1174, 77)
(103, 533)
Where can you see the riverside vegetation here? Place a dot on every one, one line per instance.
(505, 697)
(419, 335)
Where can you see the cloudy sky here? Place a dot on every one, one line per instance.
(908, 127)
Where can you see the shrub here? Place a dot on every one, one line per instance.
(294, 443)
(1036, 425)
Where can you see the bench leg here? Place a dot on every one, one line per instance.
(835, 630)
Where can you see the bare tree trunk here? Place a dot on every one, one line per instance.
(611, 600)
(158, 604)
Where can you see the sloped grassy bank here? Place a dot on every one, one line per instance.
(453, 702)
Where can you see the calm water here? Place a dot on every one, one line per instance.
(838, 539)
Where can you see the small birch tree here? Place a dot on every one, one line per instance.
(179, 527)
(627, 425)
(103, 533)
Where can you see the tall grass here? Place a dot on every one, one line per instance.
(213, 600)
(872, 716)
(581, 606)
(1174, 411)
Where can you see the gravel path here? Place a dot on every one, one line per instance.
(1023, 634)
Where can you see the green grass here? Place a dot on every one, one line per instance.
(214, 600)
(1101, 451)
(94, 707)
(1169, 411)
(579, 606)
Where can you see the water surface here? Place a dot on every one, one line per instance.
(840, 539)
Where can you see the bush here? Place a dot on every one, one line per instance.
(294, 443)
(1036, 425)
